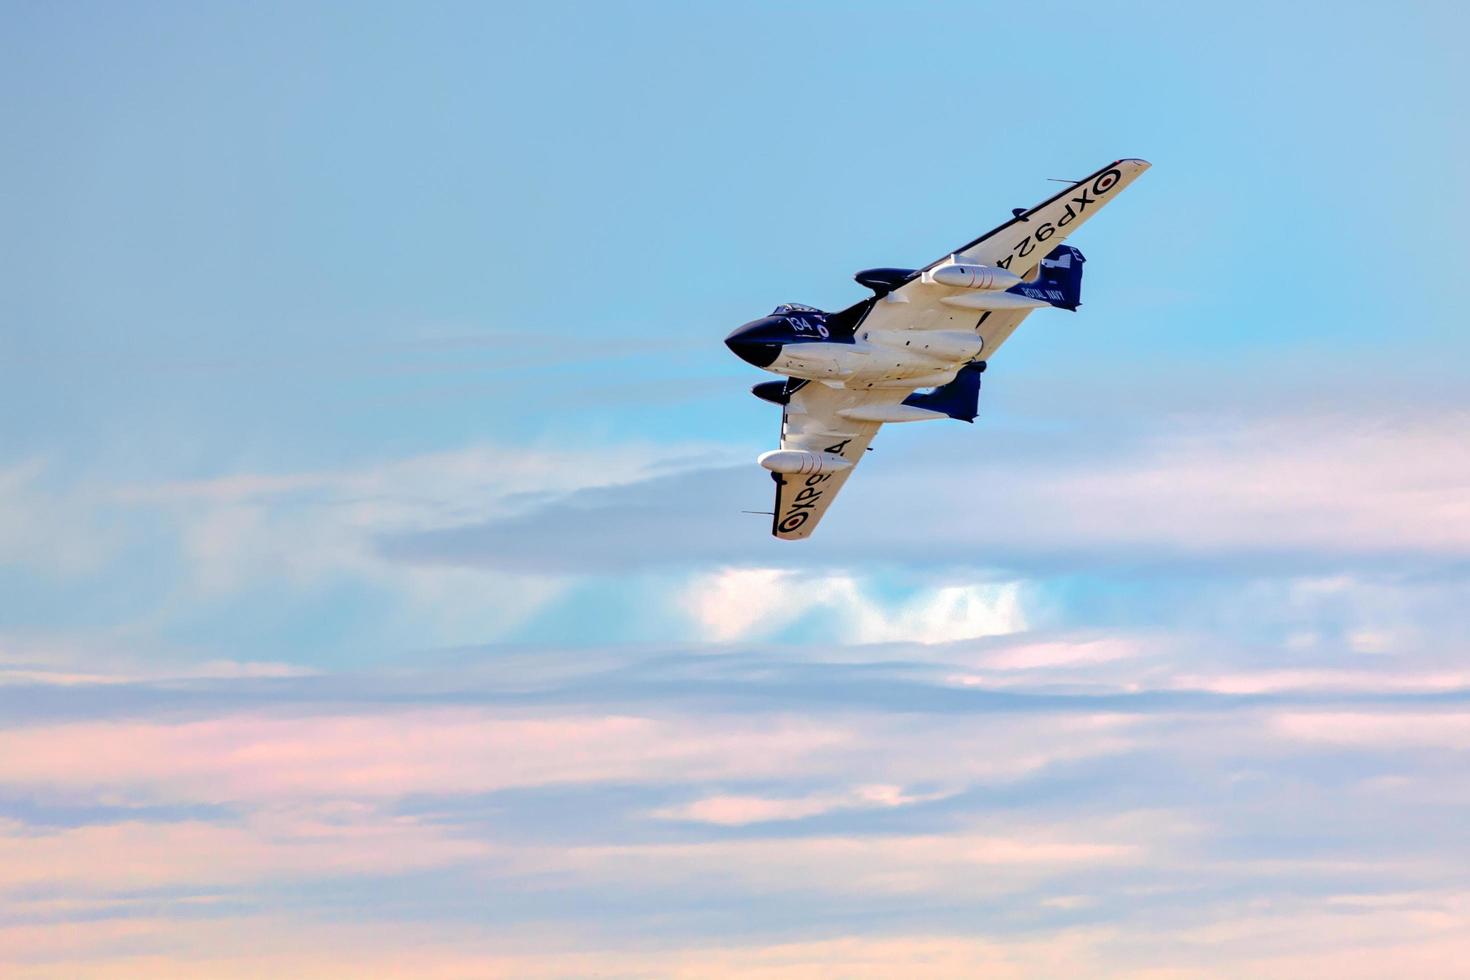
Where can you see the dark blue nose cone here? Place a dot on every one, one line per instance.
(759, 341)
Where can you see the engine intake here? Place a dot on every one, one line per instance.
(884, 281)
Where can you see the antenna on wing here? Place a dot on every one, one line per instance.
(768, 513)
(1063, 180)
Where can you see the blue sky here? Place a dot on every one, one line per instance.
(371, 557)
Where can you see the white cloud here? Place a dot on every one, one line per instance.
(1320, 680)
(318, 529)
(311, 527)
(741, 603)
(949, 613)
(315, 531)
(1325, 484)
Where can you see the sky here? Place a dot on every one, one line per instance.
(375, 593)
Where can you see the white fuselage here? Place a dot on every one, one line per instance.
(878, 359)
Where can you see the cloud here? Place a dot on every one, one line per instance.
(752, 602)
(1378, 730)
(1063, 653)
(253, 946)
(740, 602)
(385, 753)
(499, 798)
(207, 670)
(310, 538)
(1190, 489)
(1322, 680)
(964, 862)
(84, 658)
(57, 531)
(736, 810)
(1421, 937)
(132, 855)
(317, 530)
(393, 753)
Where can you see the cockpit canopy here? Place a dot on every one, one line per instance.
(786, 308)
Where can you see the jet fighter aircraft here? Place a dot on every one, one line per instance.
(846, 373)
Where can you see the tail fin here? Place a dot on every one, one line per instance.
(1058, 280)
(960, 399)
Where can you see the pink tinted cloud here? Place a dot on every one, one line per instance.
(1387, 729)
(247, 949)
(250, 757)
(972, 862)
(1064, 653)
(264, 759)
(735, 810)
(1270, 681)
(105, 859)
(100, 858)
(1428, 940)
(263, 946)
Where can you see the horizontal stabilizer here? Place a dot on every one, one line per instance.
(960, 399)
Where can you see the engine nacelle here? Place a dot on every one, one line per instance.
(775, 392)
(884, 281)
(972, 276)
(802, 463)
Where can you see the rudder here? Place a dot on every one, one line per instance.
(1058, 280)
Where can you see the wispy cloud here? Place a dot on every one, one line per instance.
(1379, 730)
(1191, 490)
(394, 754)
(736, 810)
(113, 858)
(833, 793)
(187, 544)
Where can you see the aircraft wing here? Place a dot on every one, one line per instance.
(1018, 245)
(811, 422)
(814, 418)
(1024, 241)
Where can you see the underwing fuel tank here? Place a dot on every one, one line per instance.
(801, 462)
(972, 276)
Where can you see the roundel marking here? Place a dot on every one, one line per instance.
(794, 521)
